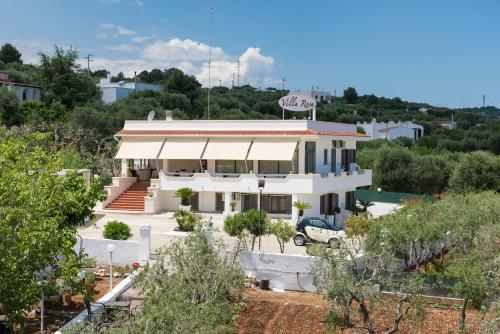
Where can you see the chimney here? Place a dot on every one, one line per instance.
(169, 115)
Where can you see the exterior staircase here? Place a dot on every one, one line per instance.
(132, 199)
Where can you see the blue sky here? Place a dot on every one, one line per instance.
(443, 52)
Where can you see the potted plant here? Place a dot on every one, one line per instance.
(186, 220)
(185, 195)
(89, 281)
(301, 206)
(232, 205)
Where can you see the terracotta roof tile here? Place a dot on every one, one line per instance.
(240, 132)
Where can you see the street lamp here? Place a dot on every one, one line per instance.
(110, 248)
(261, 185)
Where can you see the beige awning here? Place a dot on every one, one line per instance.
(226, 149)
(132, 148)
(272, 150)
(183, 149)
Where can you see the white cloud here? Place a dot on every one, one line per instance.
(121, 48)
(140, 39)
(192, 58)
(139, 3)
(181, 50)
(101, 35)
(122, 31)
(106, 26)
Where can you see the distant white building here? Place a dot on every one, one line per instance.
(24, 92)
(392, 130)
(318, 95)
(450, 125)
(112, 91)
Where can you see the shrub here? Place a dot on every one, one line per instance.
(116, 230)
(247, 225)
(186, 220)
(283, 232)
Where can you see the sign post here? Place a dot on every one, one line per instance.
(298, 102)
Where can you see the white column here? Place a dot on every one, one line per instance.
(145, 243)
(295, 212)
(124, 168)
(302, 157)
(228, 198)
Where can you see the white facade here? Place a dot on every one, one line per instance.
(392, 130)
(112, 91)
(318, 95)
(24, 92)
(222, 161)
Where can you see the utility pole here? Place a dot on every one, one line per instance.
(209, 59)
(232, 84)
(484, 101)
(220, 83)
(239, 73)
(283, 80)
(88, 61)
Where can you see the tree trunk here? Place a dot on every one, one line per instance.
(366, 316)
(346, 317)
(463, 314)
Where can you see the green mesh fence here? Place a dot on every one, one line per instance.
(387, 197)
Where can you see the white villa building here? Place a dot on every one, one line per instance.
(24, 92)
(392, 130)
(112, 91)
(223, 160)
(318, 95)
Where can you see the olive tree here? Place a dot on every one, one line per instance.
(192, 288)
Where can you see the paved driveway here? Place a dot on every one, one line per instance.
(164, 222)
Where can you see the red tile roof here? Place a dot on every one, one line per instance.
(241, 132)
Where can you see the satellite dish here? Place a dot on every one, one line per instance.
(151, 115)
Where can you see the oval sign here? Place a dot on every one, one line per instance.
(297, 102)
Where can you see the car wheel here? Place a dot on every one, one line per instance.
(334, 243)
(299, 240)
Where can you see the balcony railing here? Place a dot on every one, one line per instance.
(275, 183)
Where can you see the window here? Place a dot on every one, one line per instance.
(325, 156)
(348, 158)
(230, 166)
(310, 157)
(338, 143)
(278, 204)
(275, 167)
(316, 223)
(328, 203)
(350, 200)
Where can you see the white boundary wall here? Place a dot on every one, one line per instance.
(126, 251)
(284, 271)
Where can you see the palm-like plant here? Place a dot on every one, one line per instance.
(301, 206)
(185, 195)
(363, 205)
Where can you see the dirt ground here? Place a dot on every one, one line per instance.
(295, 312)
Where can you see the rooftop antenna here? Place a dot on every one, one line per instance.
(88, 61)
(151, 115)
(209, 59)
